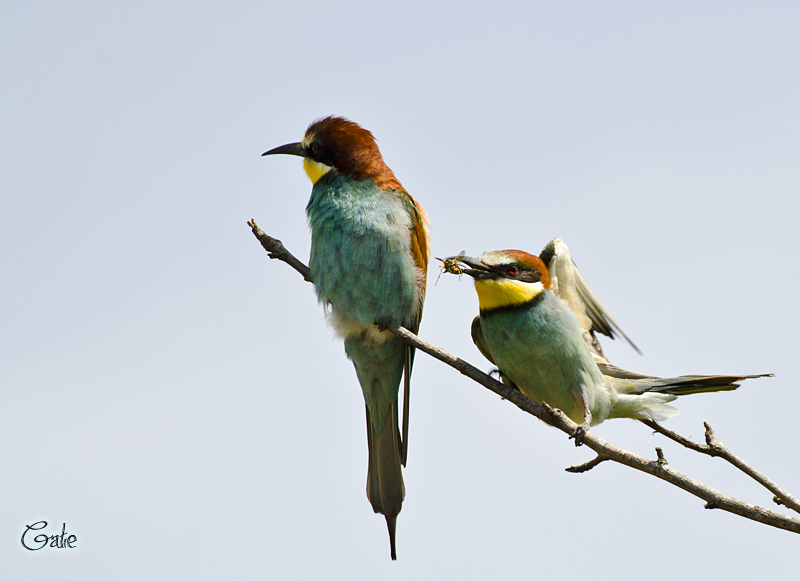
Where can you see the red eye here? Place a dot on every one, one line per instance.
(513, 269)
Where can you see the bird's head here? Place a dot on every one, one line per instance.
(505, 278)
(336, 143)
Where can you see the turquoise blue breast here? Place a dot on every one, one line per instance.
(361, 258)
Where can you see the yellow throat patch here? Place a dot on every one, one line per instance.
(315, 170)
(496, 294)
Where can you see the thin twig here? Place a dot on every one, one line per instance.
(276, 249)
(715, 448)
(605, 451)
(585, 467)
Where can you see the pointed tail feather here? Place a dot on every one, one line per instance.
(385, 488)
(691, 384)
(642, 397)
(391, 524)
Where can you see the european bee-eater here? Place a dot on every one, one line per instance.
(536, 340)
(369, 262)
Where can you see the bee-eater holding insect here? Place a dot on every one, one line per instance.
(537, 342)
(567, 283)
(369, 262)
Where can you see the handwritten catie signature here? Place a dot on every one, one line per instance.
(62, 541)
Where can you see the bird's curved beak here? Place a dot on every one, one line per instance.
(288, 149)
(478, 269)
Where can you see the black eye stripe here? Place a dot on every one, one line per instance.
(516, 272)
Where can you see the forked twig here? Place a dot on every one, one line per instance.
(713, 447)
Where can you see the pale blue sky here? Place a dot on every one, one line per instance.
(177, 399)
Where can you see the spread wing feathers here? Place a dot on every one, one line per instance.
(385, 488)
(569, 284)
(688, 384)
(420, 250)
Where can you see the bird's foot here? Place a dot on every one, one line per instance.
(580, 431)
(579, 434)
(383, 322)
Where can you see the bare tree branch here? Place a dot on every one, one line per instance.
(714, 447)
(658, 468)
(604, 450)
(276, 249)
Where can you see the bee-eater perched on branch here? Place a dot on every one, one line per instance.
(369, 262)
(537, 341)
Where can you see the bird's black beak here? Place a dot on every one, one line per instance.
(289, 149)
(478, 269)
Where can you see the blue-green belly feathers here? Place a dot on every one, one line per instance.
(540, 347)
(361, 258)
